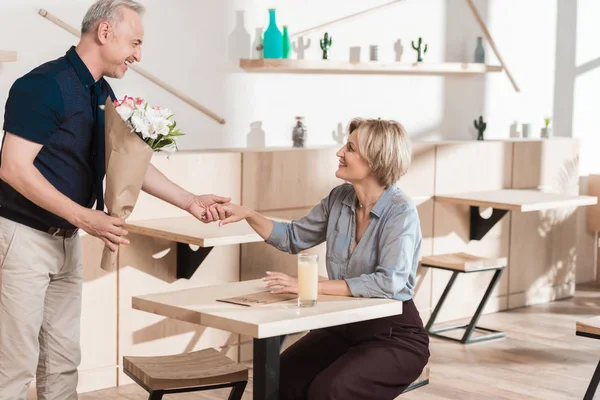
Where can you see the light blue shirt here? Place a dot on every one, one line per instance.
(385, 260)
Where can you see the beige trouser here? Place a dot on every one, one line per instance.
(40, 306)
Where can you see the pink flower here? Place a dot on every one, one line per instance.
(139, 101)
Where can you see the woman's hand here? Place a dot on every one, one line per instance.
(228, 213)
(288, 283)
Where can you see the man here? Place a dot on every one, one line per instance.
(51, 175)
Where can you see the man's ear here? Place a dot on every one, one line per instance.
(104, 31)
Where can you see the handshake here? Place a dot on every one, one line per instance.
(206, 208)
(210, 208)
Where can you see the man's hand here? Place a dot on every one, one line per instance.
(106, 228)
(200, 207)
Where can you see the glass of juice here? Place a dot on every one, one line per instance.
(308, 279)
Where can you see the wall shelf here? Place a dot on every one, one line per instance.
(8, 56)
(344, 67)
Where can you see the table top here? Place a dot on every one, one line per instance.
(191, 231)
(518, 199)
(590, 326)
(200, 306)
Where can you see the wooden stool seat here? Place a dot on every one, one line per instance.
(463, 263)
(199, 370)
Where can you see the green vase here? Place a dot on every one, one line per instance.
(287, 43)
(273, 41)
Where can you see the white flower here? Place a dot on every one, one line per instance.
(125, 111)
(157, 124)
(140, 124)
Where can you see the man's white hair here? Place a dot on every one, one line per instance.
(110, 10)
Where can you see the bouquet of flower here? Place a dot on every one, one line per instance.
(133, 130)
(152, 124)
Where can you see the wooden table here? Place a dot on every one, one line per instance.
(189, 231)
(267, 324)
(504, 200)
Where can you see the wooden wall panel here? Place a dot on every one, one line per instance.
(202, 173)
(422, 296)
(472, 166)
(546, 164)
(467, 167)
(288, 179)
(147, 265)
(420, 178)
(543, 256)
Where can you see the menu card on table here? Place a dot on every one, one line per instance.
(259, 298)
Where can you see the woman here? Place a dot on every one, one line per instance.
(373, 240)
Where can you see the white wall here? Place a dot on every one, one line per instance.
(194, 45)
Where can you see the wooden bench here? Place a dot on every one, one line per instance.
(463, 263)
(188, 372)
(590, 328)
(421, 381)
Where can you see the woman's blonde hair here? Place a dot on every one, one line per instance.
(386, 147)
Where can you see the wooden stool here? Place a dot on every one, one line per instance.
(421, 381)
(590, 328)
(462, 263)
(189, 372)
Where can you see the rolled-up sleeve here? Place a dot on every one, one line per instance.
(303, 233)
(397, 251)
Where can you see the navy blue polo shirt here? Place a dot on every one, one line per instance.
(53, 105)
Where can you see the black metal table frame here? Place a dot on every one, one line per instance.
(593, 386)
(472, 325)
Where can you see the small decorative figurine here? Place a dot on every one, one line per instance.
(299, 132)
(326, 43)
(301, 48)
(479, 52)
(338, 135)
(418, 49)
(399, 49)
(480, 126)
(374, 52)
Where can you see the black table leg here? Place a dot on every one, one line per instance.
(593, 386)
(266, 368)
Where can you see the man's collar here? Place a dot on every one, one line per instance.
(84, 74)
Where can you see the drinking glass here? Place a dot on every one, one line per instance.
(308, 279)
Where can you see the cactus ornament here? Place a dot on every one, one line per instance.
(480, 126)
(326, 44)
(301, 47)
(418, 49)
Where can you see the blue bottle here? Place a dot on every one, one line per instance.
(273, 42)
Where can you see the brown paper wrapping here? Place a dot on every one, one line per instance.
(127, 160)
